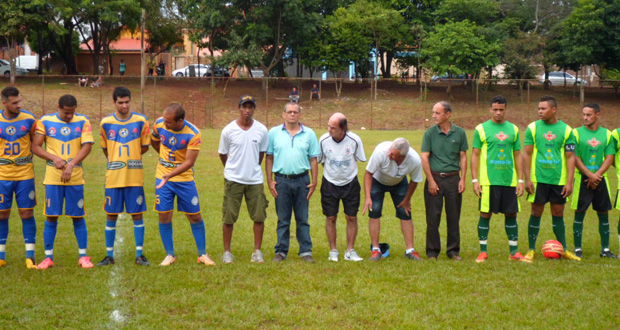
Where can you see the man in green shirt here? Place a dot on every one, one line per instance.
(595, 150)
(616, 136)
(497, 176)
(549, 168)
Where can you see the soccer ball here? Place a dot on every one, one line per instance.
(552, 249)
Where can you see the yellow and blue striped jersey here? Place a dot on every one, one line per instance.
(123, 140)
(65, 141)
(173, 148)
(15, 138)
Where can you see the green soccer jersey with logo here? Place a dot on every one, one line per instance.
(592, 147)
(497, 142)
(616, 135)
(550, 143)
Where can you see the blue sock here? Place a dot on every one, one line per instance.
(165, 231)
(81, 234)
(110, 236)
(29, 229)
(138, 233)
(4, 234)
(198, 229)
(49, 236)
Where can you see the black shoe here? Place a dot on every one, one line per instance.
(141, 261)
(106, 261)
(308, 258)
(607, 254)
(579, 253)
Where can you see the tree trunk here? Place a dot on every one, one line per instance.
(40, 46)
(12, 58)
(389, 57)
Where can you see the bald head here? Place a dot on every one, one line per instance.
(337, 126)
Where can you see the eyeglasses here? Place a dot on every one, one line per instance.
(292, 112)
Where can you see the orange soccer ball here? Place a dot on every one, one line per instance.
(552, 249)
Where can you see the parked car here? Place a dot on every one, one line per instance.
(219, 72)
(557, 78)
(199, 70)
(446, 77)
(257, 73)
(5, 69)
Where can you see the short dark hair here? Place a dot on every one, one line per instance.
(342, 123)
(177, 108)
(549, 99)
(8, 92)
(67, 101)
(499, 99)
(447, 107)
(594, 106)
(120, 91)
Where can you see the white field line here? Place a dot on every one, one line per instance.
(116, 274)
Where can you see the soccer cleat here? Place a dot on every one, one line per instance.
(413, 256)
(46, 263)
(30, 263)
(278, 258)
(570, 256)
(607, 254)
(257, 257)
(84, 262)
(482, 257)
(519, 257)
(168, 260)
(227, 258)
(375, 255)
(106, 261)
(308, 258)
(333, 255)
(530, 255)
(142, 261)
(579, 253)
(3, 263)
(204, 259)
(351, 255)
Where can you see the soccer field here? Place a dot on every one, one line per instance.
(392, 293)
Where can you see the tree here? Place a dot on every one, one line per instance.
(16, 15)
(238, 54)
(520, 55)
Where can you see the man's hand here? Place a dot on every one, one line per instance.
(272, 188)
(66, 174)
(461, 185)
(163, 181)
(406, 205)
(520, 187)
(59, 163)
(477, 189)
(311, 188)
(529, 187)
(567, 190)
(367, 205)
(432, 187)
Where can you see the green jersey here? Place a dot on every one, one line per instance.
(497, 142)
(616, 136)
(592, 147)
(550, 144)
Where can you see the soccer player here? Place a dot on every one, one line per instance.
(16, 172)
(497, 175)
(341, 149)
(616, 135)
(242, 147)
(178, 143)
(125, 137)
(549, 168)
(595, 150)
(68, 139)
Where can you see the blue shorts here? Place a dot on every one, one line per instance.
(24, 194)
(398, 193)
(131, 197)
(186, 193)
(72, 196)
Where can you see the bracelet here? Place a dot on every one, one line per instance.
(521, 181)
(474, 180)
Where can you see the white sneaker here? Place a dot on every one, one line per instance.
(333, 255)
(227, 258)
(351, 255)
(257, 257)
(169, 260)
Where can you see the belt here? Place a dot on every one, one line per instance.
(292, 176)
(445, 175)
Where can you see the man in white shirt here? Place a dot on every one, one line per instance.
(340, 152)
(387, 171)
(242, 146)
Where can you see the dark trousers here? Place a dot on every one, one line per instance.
(448, 191)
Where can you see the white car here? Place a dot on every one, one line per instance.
(5, 69)
(557, 78)
(200, 70)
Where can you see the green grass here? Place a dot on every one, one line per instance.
(393, 293)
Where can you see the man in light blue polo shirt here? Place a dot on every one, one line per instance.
(293, 150)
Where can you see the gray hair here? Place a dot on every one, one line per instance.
(447, 107)
(292, 103)
(402, 145)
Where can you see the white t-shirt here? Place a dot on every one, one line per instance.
(243, 148)
(340, 159)
(387, 172)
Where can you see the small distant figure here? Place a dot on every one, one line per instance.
(315, 93)
(294, 95)
(83, 81)
(161, 68)
(122, 67)
(151, 67)
(97, 82)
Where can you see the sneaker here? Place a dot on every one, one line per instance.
(333, 255)
(227, 258)
(204, 259)
(351, 255)
(519, 257)
(30, 263)
(375, 255)
(607, 254)
(413, 255)
(482, 257)
(278, 258)
(141, 261)
(168, 260)
(46, 263)
(530, 255)
(570, 256)
(579, 253)
(257, 257)
(308, 258)
(3, 263)
(84, 262)
(106, 261)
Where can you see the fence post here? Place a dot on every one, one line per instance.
(267, 98)
(528, 91)
(371, 103)
(43, 94)
(320, 101)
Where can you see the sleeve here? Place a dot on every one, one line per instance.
(610, 149)
(155, 134)
(321, 158)
(426, 141)
(87, 132)
(264, 143)
(40, 128)
(224, 142)
(195, 142)
(464, 144)
(359, 153)
(270, 145)
(145, 135)
(374, 162)
(416, 174)
(516, 145)
(103, 141)
(477, 142)
(571, 137)
(529, 138)
(313, 146)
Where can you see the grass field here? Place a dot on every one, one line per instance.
(393, 293)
